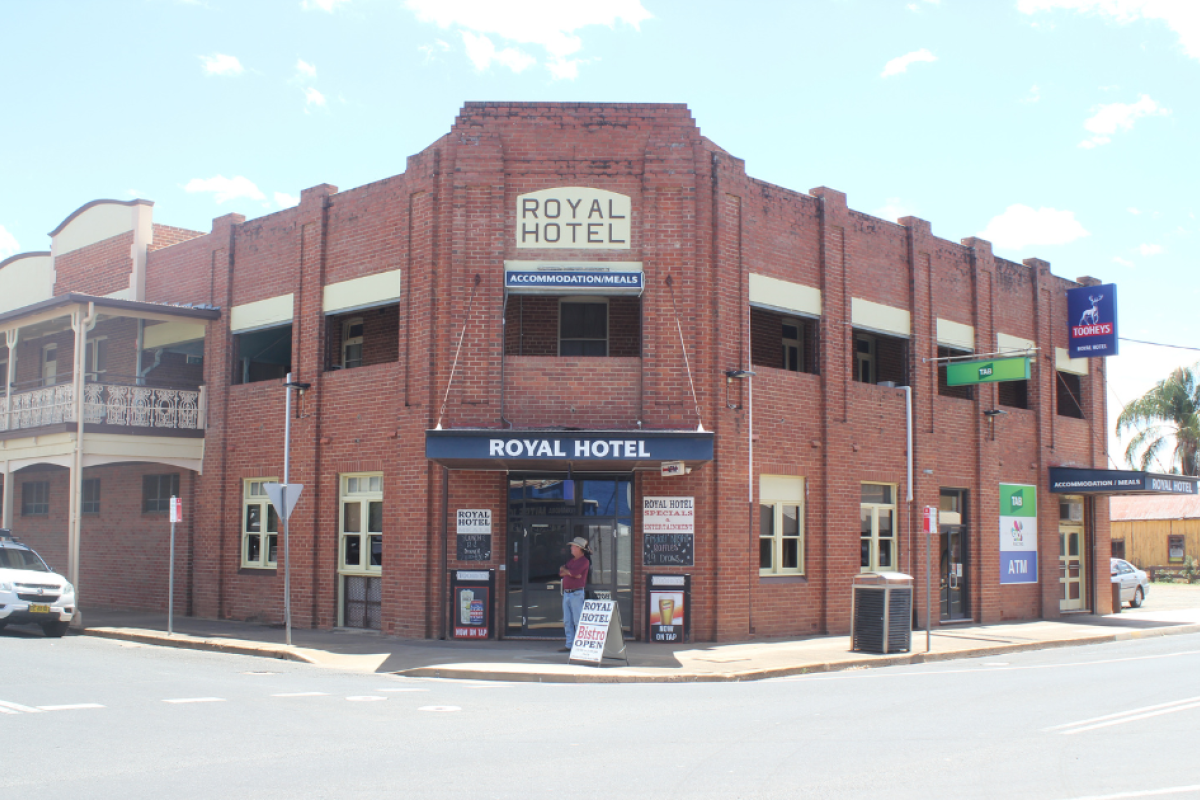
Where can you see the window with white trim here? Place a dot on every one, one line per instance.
(352, 343)
(864, 358)
(780, 525)
(361, 523)
(260, 525)
(95, 358)
(877, 517)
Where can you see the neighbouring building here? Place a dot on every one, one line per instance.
(561, 320)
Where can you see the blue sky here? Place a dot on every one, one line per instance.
(1062, 129)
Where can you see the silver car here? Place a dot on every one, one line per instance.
(1135, 583)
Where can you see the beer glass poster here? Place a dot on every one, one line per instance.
(1018, 533)
(470, 612)
(666, 616)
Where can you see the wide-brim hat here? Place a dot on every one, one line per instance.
(582, 544)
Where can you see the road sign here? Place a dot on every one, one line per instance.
(176, 509)
(964, 373)
(931, 519)
(275, 492)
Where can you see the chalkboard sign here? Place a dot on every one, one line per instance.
(474, 547)
(668, 550)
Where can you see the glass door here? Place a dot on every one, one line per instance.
(1071, 568)
(537, 548)
(954, 549)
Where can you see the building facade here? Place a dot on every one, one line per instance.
(560, 320)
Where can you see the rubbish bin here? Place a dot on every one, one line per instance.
(881, 621)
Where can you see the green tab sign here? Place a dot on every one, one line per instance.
(963, 373)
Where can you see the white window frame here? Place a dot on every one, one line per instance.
(874, 510)
(349, 341)
(589, 300)
(253, 494)
(362, 488)
(866, 359)
(778, 493)
(790, 345)
(91, 357)
(52, 378)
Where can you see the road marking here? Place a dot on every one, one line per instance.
(402, 690)
(301, 694)
(1126, 716)
(17, 708)
(72, 707)
(1142, 793)
(196, 700)
(365, 698)
(439, 708)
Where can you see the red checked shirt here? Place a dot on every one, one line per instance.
(578, 569)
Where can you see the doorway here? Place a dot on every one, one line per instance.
(1072, 569)
(544, 515)
(952, 529)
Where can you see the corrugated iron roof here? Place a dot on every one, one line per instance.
(1158, 506)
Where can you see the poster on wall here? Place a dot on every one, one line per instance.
(474, 540)
(1018, 533)
(667, 615)
(668, 531)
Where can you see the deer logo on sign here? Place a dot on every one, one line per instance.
(1091, 316)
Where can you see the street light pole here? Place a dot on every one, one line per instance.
(285, 509)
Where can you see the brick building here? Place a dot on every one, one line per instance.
(550, 304)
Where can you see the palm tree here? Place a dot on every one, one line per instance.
(1170, 412)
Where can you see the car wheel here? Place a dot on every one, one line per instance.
(55, 629)
(1138, 597)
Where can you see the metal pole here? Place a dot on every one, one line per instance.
(287, 563)
(171, 577)
(928, 604)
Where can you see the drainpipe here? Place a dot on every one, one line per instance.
(141, 342)
(81, 324)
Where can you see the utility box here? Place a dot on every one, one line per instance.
(881, 620)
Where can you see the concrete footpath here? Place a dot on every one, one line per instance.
(523, 660)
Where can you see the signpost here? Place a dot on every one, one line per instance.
(176, 516)
(930, 518)
(284, 496)
(599, 633)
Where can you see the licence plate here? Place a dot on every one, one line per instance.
(39, 609)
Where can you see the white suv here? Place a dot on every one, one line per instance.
(30, 592)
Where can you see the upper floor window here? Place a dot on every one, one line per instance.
(864, 358)
(263, 355)
(547, 325)
(1014, 394)
(157, 491)
(944, 388)
(1069, 390)
(583, 327)
(363, 338)
(783, 342)
(49, 365)
(880, 359)
(95, 358)
(352, 343)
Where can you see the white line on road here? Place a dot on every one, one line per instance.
(1123, 713)
(16, 708)
(301, 694)
(196, 700)
(402, 690)
(439, 708)
(365, 698)
(1130, 719)
(1142, 793)
(72, 707)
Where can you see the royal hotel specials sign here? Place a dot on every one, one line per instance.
(575, 218)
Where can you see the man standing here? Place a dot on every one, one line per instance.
(574, 576)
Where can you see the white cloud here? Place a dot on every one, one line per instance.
(322, 5)
(1021, 226)
(1134, 211)
(899, 65)
(1124, 262)
(135, 192)
(223, 188)
(1181, 16)
(482, 53)
(285, 200)
(1035, 94)
(432, 51)
(549, 24)
(313, 98)
(221, 64)
(893, 209)
(1112, 117)
(1150, 249)
(305, 70)
(8, 244)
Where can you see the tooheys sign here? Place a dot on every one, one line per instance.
(573, 217)
(1092, 315)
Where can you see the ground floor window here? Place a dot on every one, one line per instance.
(781, 525)
(360, 549)
(877, 518)
(91, 496)
(260, 525)
(35, 498)
(157, 491)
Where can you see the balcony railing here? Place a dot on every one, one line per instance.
(105, 403)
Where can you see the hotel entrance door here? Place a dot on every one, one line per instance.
(544, 516)
(1072, 575)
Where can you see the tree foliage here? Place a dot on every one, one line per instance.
(1168, 414)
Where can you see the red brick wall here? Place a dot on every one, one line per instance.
(101, 268)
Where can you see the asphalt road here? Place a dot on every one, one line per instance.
(91, 718)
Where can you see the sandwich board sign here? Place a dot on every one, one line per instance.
(599, 633)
